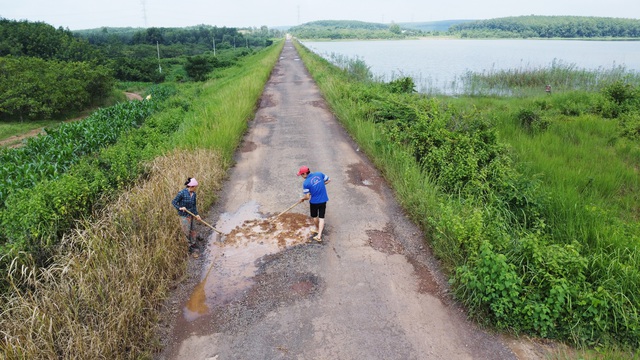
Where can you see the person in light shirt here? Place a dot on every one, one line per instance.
(186, 202)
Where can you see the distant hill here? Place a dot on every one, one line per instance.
(351, 29)
(529, 26)
(442, 26)
(536, 26)
(281, 27)
(343, 24)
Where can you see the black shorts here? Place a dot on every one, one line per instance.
(317, 210)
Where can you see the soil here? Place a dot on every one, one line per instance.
(133, 96)
(371, 289)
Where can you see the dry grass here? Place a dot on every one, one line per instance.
(101, 297)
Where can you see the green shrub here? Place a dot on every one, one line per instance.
(630, 126)
(359, 70)
(531, 121)
(490, 285)
(620, 92)
(621, 98)
(197, 67)
(404, 85)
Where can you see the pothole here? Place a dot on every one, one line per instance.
(231, 263)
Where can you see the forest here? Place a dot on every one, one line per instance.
(47, 72)
(549, 27)
(531, 26)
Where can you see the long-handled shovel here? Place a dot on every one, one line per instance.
(289, 208)
(204, 222)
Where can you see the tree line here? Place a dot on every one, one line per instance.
(533, 26)
(204, 35)
(46, 72)
(350, 29)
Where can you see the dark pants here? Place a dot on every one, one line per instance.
(318, 210)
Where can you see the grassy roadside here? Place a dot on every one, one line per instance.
(496, 228)
(101, 296)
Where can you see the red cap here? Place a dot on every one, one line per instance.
(303, 170)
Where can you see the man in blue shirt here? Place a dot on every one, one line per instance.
(314, 190)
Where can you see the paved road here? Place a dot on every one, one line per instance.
(369, 291)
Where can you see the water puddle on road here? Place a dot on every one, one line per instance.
(231, 259)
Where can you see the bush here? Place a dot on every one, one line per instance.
(630, 126)
(531, 121)
(621, 98)
(503, 238)
(135, 69)
(620, 92)
(197, 67)
(403, 85)
(359, 70)
(490, 285)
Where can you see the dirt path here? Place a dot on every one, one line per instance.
(133, 96)
(371, 290)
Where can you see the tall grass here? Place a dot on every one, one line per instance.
(526, 81)
(224, 106)
(523, 81)
(99, 298)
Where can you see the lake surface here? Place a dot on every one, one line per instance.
(438, 63)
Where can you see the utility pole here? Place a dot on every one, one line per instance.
(159, 67)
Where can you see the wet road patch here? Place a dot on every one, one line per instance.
(234, 261)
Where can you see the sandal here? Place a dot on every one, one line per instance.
(317, 238)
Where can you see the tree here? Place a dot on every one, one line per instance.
(395, 28)
(197, 67)
(32, 88)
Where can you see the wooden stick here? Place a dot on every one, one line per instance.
(289, 208)
(204, 222)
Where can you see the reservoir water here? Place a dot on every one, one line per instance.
(438, 63)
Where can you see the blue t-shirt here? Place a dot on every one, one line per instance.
(314, 185)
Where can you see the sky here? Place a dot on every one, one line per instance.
(90, 14)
